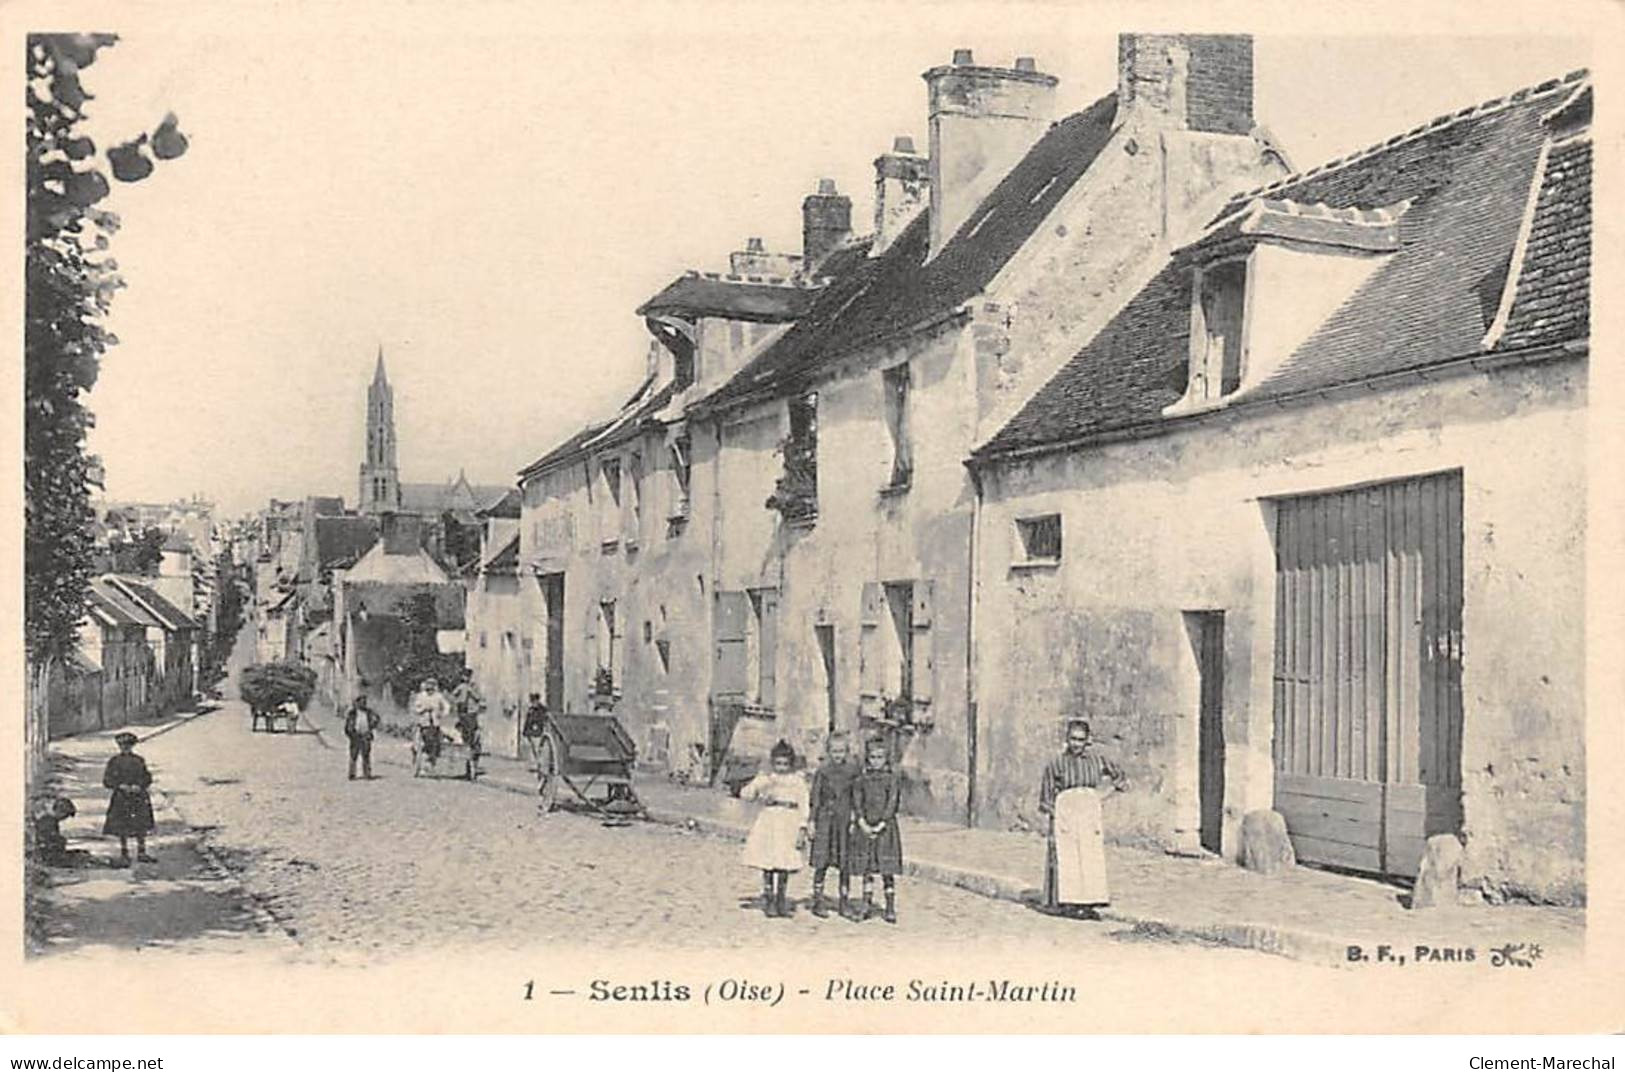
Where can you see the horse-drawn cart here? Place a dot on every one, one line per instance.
(586, 753)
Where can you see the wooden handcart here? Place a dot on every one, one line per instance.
(588, 754)
(456, 759)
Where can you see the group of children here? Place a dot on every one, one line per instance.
(849, 817)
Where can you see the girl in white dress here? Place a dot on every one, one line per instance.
(779, 834)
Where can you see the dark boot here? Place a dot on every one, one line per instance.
(890, 915)
(782, 894)
(770, 905)
(820, 907)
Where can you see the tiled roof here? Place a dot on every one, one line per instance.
(379, 567)
(172, 617)
(871, 300)
(341, 540)
(427, 499)
(1551, 300)
(121, 607)
(1467, 177)
(567, 449)
(506, 559)
(508, 506)
(696, 294)
(634, 417)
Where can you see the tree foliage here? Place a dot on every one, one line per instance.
(217, 645)
(143, 555)
(416, 654)
(70, 282)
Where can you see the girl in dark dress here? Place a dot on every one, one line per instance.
(876, 846)
(832, 822)
(129, 812)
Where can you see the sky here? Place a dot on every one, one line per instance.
(490, 199)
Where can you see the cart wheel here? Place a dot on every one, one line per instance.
(547, 772)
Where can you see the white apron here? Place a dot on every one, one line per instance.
(1080, 849)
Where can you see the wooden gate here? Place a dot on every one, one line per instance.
(1368, 718)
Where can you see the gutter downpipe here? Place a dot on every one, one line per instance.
(973, 587)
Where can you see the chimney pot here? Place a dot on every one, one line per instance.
(982, 120)
(754, 245)
(1026, 63)
(903, 143)
(826, 186)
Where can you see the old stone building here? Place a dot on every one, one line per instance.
(495, 641)
(1302, 527)
(843, 389)
(620, 522)
(850, 601)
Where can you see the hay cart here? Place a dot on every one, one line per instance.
(587, 753)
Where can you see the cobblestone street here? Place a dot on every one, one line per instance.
(401, 864)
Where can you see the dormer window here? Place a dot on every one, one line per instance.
(1218, 336)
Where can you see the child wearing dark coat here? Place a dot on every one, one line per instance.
(876, 845)
(831, 821)
(129, 812)
(50, 844)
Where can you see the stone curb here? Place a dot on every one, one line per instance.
(1262, 938)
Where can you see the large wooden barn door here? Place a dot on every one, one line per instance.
(1368, 718)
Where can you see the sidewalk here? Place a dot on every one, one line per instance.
(1307, 914)
(187, 902)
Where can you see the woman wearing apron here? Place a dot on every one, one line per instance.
(1075, 865)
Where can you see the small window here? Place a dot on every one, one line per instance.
(761, 645)
(635, 511)
(1218, 345)
(611, 527)
(1040, 538)
(681, 473)
(896, 385)
(608, 673)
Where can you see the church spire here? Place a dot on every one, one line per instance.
(380, 490)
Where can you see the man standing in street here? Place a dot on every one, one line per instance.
(360, 723)
(468, 704)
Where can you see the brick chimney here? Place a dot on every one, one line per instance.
(826, 222)
(1198, 82)
(902, 183)
(983, 121)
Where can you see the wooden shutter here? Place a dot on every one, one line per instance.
(925, 671)
(730, 613)
(768, 646)
(871, 674)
